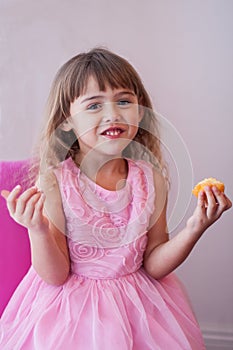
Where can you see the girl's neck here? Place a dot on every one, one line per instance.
(108, 172)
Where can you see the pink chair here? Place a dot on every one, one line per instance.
(15, 258)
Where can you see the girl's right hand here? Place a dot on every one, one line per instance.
(27, 208)
(211, 204)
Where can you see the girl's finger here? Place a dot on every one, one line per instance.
(30, 206)
(229, 203)
(39, 206)
(11, 198)
(24, 198)
(201, 201)
(212, 203)
(223, 201)
(5, 193)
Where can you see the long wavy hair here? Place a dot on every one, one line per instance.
(107, 68)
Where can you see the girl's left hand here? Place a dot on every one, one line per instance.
(211, 204)
(27, 208)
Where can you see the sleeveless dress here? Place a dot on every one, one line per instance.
(109, 301)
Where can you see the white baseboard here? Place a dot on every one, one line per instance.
(218, 340)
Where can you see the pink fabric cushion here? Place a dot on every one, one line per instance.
(15, 256)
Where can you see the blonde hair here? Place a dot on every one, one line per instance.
(71, 81)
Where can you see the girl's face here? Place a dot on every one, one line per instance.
(104, 121)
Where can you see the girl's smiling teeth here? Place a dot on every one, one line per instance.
(112, 132)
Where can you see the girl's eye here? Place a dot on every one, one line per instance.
(93, 106)
(123, 102)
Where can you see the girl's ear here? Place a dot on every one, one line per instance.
(65, 126)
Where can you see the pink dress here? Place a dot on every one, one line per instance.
(109, 301)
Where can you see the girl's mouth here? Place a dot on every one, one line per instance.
(112, 132)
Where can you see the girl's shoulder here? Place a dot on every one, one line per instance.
(66, 166)
(141, 167)
(148, 173)
(140, 163)
(141, 172)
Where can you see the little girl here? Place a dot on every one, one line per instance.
(101, 258)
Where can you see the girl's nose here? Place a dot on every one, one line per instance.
(111, 113)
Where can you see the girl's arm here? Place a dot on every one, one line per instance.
(49, 250)
(162, 255)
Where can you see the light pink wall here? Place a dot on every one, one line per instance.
(184, 53)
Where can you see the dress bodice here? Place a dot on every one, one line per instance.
(106, 230)
(107, 263)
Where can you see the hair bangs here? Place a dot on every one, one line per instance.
(111, 72)
(113, 75)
